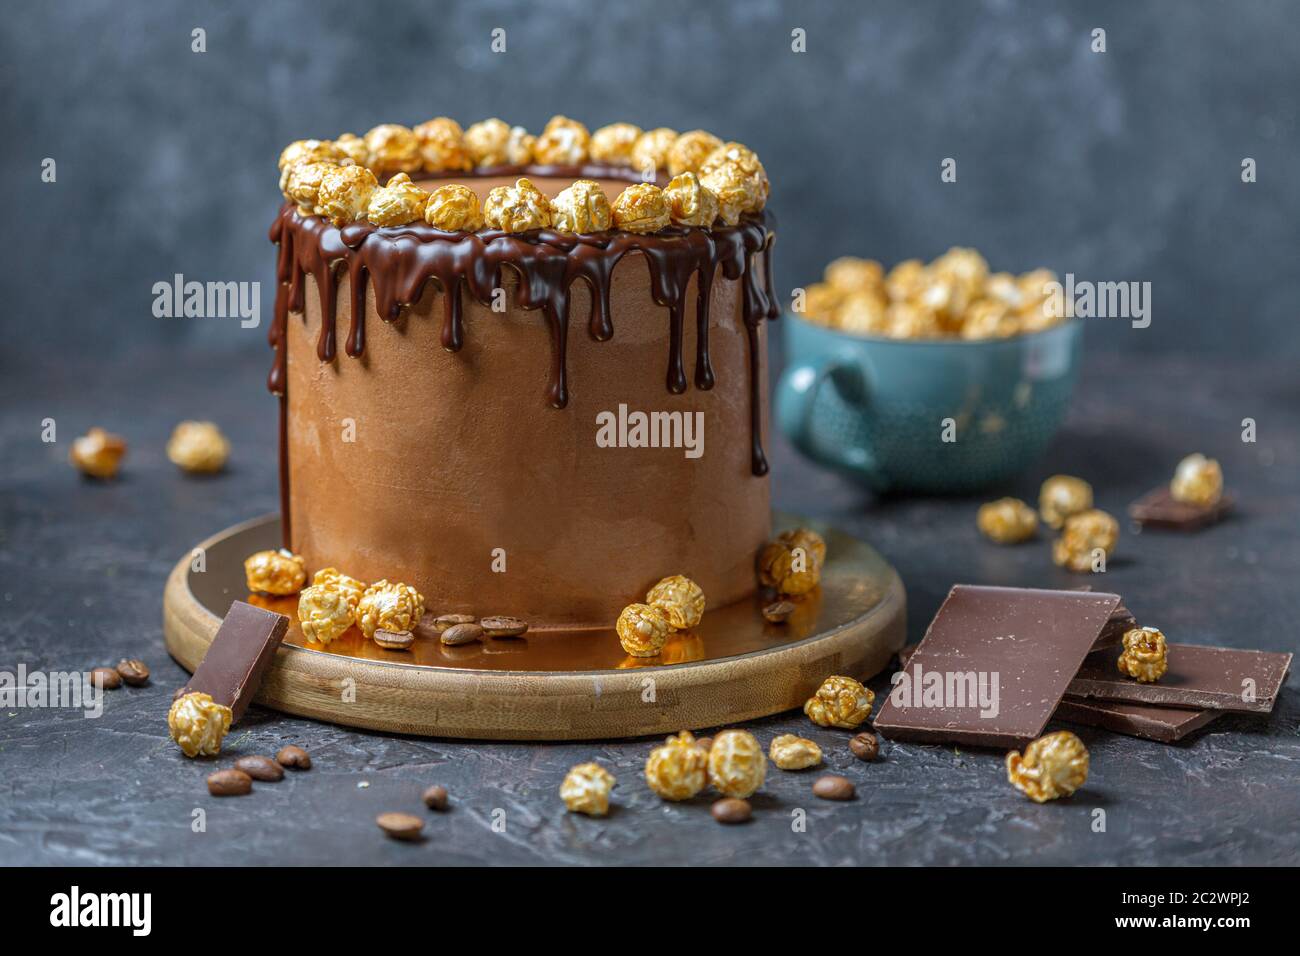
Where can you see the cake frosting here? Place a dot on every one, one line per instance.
(442, 392)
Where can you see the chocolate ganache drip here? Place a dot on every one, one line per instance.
(398, 261)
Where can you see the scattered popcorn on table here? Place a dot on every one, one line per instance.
(840, 702)
(737, 766)
(1007, 521)
(677, 769)
(790, 752)
(1145, 657)
(1083, 536)
(98, 453)
(1062, 496)
(1197, 481)
(586, 789)
(198, 447)
(1053, 766)
(198, 724)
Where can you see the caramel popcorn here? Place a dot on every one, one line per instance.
(353, 147)
(851, 274)
(344, 193)
(988, 319)
(392, 148)
(613, 143)
(442, 145)
(349, 587)
(1197, 481)
(909, 320)
(1146, 655)
(1083, 535)
(398, 203)
(389, 606)
(307, 151)
(1053, 766)
(324, 613)
(792, 563)
(840, 702)
(520, 146)
(517, 208)
(303, 185)
(453, 208)
(744, 179)
(1007, 521)
(581, 208)
(736, 763)
(98, 453)
(866, 313)
(641, 208)
(907, 280)
(690, 202)
(678, 769)
(198, 724)
(733, 189)
(680, 598)
(650, 151)
(1062, 496)
(564, 142)
(643, 630)
(689, 151)
(586, 789)
(789, 752)
(198, 447)
(485, 142)
(275, 572)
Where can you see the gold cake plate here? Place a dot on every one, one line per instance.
(555, 684)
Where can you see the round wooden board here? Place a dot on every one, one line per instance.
(555, 685)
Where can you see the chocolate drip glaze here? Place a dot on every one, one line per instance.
(399, 261)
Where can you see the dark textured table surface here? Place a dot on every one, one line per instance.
(82, 567)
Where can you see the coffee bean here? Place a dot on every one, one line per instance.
(444, 621)
(134, 672)
(106, 677)
(462, 634)
(731, 810)
(865, 746)
(435, 798)
(400, 826)
(395, 640)
(501, 626)
(229, 783)
(779, 612)
(294, 758)
(260, 768)
(834, 787)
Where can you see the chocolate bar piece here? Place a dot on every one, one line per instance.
(1158, 508)
(238, 656)
(1163, 724)
(1112, 635)
(1215, 677)
(993, 665)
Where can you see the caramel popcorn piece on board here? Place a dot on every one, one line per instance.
(792, 563)
(643, 630)
(1052, 767)
(677, 769)
(350, 587)
(680, 598)
(390, 606)
(198, 724)
(840, 702)
(275, 572)
(1145, 657)
(324, 613)
(586, 789)
(98, 453)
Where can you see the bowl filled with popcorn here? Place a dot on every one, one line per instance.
(939, 378)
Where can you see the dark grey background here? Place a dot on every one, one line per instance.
(1123, 165)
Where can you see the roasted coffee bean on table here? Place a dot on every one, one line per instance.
(134, 672)
(502, 626)
(106, 677)
(435, 798)
(260, 768)
(293, 757)
(229, 783)
(462, 634)
(731, 810)
(834, 787)
(400, 826)
(865, 746)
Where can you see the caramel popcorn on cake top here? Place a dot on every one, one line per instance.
(688, 152)
(613, 143)
(398, 203)
(393, 148)
(454, 208)
(517, 208)
(487, 142)
(641, 208)
(581, 208)
(307, 151)
(564, 142)
(690, 202)
(353, 147)
(650, 151)
(344, 194)
(442, 145)
(303, 185)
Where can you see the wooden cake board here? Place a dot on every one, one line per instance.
(553, 684)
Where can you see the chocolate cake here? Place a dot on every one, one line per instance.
(446, 359)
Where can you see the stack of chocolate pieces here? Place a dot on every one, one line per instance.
(997, 664)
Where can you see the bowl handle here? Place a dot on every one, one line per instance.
(796, 394)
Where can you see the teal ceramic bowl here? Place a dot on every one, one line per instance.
(938, 416)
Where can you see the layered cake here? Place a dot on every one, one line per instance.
(525, 375)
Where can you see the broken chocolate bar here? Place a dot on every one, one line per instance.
(238, 656)
(1216, 677)
(1164, 725)
(1158, 508)
(993, 665)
